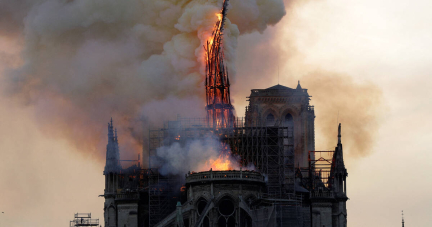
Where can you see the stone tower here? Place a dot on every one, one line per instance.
(111, 172)
(288, 107)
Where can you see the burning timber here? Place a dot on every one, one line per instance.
(291, 183)
(220, 112)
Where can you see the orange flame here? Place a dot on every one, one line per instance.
(219, 16)
(223, 162)
(211, 37)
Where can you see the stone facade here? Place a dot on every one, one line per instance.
(280, 105)
(237, 198)
(221, 198)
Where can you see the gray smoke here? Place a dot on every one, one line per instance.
(86, 61)
(196, 155)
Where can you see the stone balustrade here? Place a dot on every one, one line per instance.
(225, 175)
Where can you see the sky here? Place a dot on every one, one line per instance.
(382, 45)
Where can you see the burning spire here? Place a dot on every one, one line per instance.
(220, 112)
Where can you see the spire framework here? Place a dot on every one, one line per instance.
(220, 112)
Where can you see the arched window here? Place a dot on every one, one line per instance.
(289, 121)
(226, 207)
(227, 213)
(222, 222)
(270, 120)
(202, 203)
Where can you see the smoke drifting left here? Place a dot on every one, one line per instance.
(86, 61)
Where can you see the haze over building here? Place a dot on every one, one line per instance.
(363, 59)
(267, 172)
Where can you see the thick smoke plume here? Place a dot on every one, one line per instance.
(281, 50)
(196, 155)
(357, 106)
(86, 61)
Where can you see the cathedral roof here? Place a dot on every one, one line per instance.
(278, 87)
(279, 91)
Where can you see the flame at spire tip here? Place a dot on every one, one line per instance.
(220, 112)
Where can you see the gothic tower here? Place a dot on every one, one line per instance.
(281, 106)
(111, 172)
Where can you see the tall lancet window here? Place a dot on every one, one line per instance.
(289, 122)
(270, 120)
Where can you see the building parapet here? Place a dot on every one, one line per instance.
(233, 175)
(278, 92)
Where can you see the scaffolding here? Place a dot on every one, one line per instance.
(161, 194)
(270, 149)
(83, 219)
(317, 178)
(161, 187)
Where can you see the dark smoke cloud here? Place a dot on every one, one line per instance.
(86, 61)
